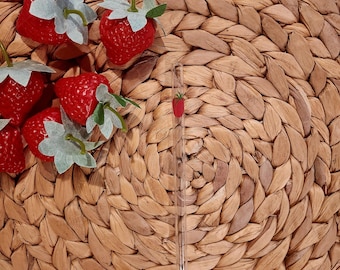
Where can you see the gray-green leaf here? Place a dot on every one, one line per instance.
(3, 123)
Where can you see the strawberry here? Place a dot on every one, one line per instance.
(16, 101)
(127, 31)
(21, 86)
(178, 105)
(12, 159)
(34, 132)
(121, 43)
(78, 95)
(40, 30)
(56, 23)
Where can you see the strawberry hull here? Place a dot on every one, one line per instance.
(121, 43)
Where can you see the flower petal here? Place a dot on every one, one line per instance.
(118, 14)
(54, 129)
(89, 13)
(3, 73)
(137, 20)
(107, 128)
(113, 5)
(85, 160)
(148, 5)
(33, 66)
(63, 162)
(48, 147)
(101, 92)
(3, 123)
(21, 76)
(43, 9)
(90, 124)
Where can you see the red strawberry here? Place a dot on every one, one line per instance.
(16, 100)
(21, 86)
(40, 30)
(78, 95)
(12, 159)
(121, 43)
(178, 105)
(34, 132)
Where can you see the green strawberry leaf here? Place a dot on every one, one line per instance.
(132, 102)
(156, 11)
(120, 100)
(98, 114)
(123, 100)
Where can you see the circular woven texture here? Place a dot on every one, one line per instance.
(262, 133)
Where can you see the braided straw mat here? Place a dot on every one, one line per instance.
(262, 141)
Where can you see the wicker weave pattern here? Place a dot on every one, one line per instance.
(262, 132)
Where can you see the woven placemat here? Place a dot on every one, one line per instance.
(262, 133)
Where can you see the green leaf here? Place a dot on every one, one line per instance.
(132, 102)
(123, 100)
(120, 100)
(98, 114)
(156, 11)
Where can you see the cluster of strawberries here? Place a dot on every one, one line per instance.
(61, 134)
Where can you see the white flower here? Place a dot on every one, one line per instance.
(68, 144)
(70, 17)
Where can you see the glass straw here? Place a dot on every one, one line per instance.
(180, 158)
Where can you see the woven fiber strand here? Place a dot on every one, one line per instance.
(262, 138)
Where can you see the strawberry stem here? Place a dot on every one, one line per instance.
(133, 7)
(71, 138)
(6, 56)
(179, 95)
(124, 127)
(74, 11)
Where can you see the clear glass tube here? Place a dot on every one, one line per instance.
(179, 159)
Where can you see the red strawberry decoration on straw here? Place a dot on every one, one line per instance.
(77, 95)
(12, 159)
(55, 21)
(21, 86)
(127, 31)
(34, 131)
(178, 105)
